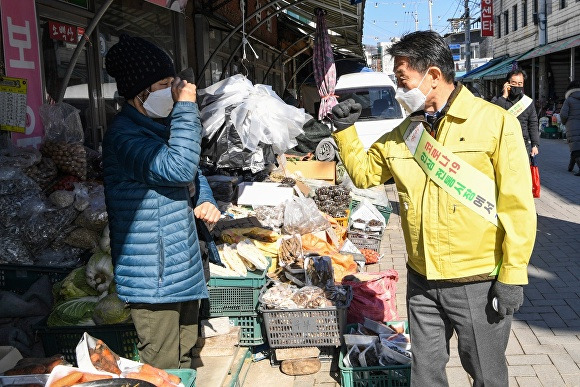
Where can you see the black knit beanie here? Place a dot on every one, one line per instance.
(136, 64)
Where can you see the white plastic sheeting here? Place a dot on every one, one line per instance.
(259, 115)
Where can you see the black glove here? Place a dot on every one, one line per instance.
(509, 298)
(345, 114)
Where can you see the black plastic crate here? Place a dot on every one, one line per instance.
(18, 279)
(121, 338)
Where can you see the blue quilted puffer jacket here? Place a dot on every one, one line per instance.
(147, 169)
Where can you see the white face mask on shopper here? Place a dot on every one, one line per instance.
(159, 103)
(412, 100)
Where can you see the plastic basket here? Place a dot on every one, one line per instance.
(18, 279)
(363, 240)
(384, 210)
(377, 376)
(251, 329)
(186, 375)
(121, 338)
(306, 327)
(232, 301)
(254, 279)
(344, 220)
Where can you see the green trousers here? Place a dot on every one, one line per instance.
(166, 332)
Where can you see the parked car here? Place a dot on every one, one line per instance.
(375, 91)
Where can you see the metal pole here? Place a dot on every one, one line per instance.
(467, 38)
(80, 45)
(430, 15)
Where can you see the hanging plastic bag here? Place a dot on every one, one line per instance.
(64, 137)
(535, 178)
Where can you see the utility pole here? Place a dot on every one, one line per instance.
(416, 18)
(467, 38)
(430, 15)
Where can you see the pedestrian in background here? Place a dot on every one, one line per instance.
(516, 102)
(570, 116)
(154, 190)
(460, 259)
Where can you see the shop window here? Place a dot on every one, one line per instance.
(506, 22)
(57, 45)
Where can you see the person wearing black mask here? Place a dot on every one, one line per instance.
(516, 102)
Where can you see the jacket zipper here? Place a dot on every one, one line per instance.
(161, 260)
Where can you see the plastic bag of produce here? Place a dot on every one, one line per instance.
(301, 216)
(64, 137)
(373, 296)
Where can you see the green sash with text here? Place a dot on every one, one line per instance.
(454, 175)
(520, 106)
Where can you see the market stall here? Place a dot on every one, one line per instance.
(294, 239)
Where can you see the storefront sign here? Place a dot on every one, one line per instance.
(13, 104)
(486, 17)
(22, 60)
(62, 31)
(174, 5)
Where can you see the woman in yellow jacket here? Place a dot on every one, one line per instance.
(467, 210)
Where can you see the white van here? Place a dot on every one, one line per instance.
(375, 91)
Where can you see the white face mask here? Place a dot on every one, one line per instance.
(412, 100)
(159, 103)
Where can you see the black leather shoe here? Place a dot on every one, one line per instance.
(577, 174)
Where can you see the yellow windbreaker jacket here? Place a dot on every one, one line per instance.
(445, 239)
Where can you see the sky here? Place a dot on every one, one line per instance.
(384, 20)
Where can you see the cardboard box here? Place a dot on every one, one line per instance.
(312, 169)
(263, 194)
(9, 356)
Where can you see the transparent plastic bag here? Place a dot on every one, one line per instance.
(62, 123)
(64, 137)
(301, 216)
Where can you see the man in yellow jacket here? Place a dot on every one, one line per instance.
(461, 170)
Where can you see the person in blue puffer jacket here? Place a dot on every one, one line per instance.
(154, 192)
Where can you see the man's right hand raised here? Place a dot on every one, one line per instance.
(345, 114)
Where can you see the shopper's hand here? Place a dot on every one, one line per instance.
(181, 90)
(506, 89)
(207, 212)
(345, 114)
(534, 151)
(509, 298)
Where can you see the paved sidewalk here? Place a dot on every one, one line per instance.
(544, 346)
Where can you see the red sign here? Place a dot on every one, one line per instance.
(64, 32)
(22, 60)
(486, 17)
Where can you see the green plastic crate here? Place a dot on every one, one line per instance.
(232, 301)
(378, 376)
(18, 279)
(384, 210)
(252, 329)
(254, 279)
(121, 338)
(186, 375)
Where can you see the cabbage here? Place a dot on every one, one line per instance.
(77, 311)
(111, 310)
(75, 285)
(99, 271)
